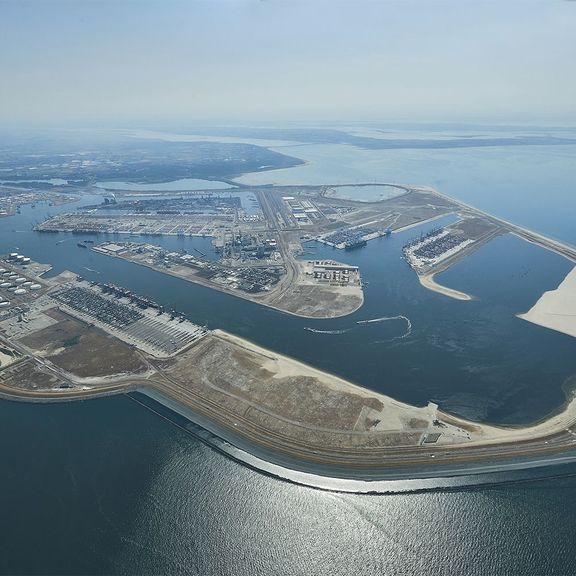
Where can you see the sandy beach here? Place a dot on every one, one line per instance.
(556, 309)
(427, 280)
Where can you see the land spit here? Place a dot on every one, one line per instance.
(428, 281)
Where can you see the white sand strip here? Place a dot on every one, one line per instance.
(427, 280)
(556, 309)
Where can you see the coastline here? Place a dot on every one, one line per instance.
(384, 480)
(349, 480)
(427, 280)
(325, 459)
(375, 440)
(556, 309)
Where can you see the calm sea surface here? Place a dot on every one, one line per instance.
(534, 186)
(106, 486)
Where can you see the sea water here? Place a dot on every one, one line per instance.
(105, 486)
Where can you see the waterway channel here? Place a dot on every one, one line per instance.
(473, 358)
(105, 486)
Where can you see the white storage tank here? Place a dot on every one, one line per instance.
(4, 304)
(20, 291)
(2, 270)
(27, 283)
(12, 288)
(20, 280)
(35, 287)
(5, 285)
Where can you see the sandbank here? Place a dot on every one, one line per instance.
(427, 280)
(556, 309)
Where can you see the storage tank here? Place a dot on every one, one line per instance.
(12, 288)
(7, 273)
(20, 291)
(2, 270)
(27, 283)
(35, 286)
(4, 304)
(20, 280)
(25, 260)
(5, 285)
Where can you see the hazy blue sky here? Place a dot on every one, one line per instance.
(245, 60)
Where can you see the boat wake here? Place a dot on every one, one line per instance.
(327, 331)
(387, 318)
(90, 270)
(371, 321)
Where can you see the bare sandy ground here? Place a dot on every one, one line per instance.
(396, 415)
(427, 280)
(556, 309)
(310, 299)
(486, 434)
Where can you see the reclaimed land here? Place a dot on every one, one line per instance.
(556, 309)
(294, 294)
(479, 227)
(270, 404)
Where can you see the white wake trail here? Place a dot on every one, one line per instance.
(326, 331)
(387, 318)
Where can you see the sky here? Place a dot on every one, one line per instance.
(74, 61)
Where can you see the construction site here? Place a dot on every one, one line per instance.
(241, 276)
